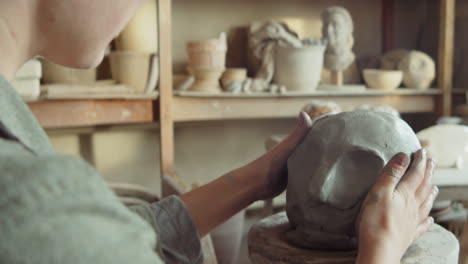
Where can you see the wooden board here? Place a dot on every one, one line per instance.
(73, 113)
(323, 90)
(267, 245)
(387, 24)
(97, 91)
(445, 61)
(165, 89)
(198, 107)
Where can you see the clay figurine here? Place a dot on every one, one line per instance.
(338, 30)
(332, 170)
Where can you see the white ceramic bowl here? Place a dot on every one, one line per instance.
(383, 79)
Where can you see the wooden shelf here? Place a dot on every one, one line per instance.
(100, 90)
(79, 113)
(192, 106)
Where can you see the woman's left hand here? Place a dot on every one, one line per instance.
(270, 170)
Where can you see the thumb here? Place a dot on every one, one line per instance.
(295, 137)
(392, 173)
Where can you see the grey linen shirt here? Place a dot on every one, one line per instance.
(57, 209)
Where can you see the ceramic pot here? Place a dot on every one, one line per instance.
(227, 239)
(299, 69)
(206, 79)
(137, 70)
(54, 73)
(141, 33)
(383, 79)
(231, 76)
(234, 74)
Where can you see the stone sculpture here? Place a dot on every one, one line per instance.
(418, 70)
(338, 30)
(332, 170)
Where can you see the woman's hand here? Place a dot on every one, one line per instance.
(395, 212)
(269, 172)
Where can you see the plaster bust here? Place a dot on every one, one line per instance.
(337, 30)
(332, 170)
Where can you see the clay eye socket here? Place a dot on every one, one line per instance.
(350, 178)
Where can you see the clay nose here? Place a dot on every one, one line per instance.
(318, 179)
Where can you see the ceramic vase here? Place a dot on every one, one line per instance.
(141, 33)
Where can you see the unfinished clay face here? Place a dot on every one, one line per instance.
(337, 29)
(332, 170)
(418, 70)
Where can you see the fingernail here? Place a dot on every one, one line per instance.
(304, 119)
(431, 220)
(436, 189)
(402, 159)
(423, 153)
(433, 163)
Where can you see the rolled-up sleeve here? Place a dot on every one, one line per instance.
(178, 235)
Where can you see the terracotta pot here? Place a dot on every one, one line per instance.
(383, 79)
(299, 69)
(206, 62)
(227, 239)
(135, 69)
(141, 33)
(54, 73)
(207, 53)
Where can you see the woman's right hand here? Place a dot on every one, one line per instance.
(395, 212)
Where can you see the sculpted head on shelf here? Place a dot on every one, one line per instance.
(332, 170)
(338, 30)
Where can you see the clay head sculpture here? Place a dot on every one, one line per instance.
(337, 30)
(333, 169)
(418, 69)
